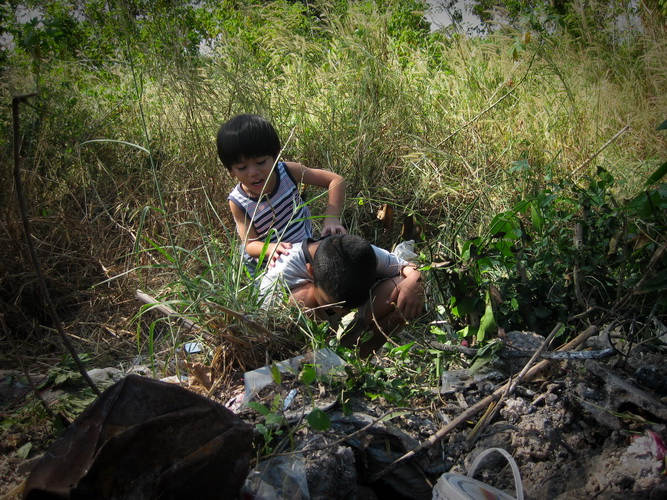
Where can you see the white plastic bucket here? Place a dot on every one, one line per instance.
(458, 487)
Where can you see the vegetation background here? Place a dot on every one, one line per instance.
(524, 160)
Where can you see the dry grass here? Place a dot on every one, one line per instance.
(432, 130)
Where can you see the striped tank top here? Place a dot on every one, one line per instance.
(280, 215)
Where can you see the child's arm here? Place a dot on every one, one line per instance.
(334, 183)
(408, 295)
(253, 245)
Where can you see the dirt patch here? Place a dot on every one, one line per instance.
(580, 429)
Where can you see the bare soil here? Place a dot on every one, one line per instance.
(574, 433)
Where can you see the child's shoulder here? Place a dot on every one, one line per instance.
(236, 193)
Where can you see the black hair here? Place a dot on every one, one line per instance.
(246, 136)
(344, 268)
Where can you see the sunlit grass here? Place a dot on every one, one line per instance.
(433, 130)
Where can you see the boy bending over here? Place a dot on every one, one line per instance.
(341, 272)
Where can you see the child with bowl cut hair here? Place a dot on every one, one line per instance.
(266, 203)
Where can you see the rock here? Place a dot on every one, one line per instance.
(99, 375)
(331, 472)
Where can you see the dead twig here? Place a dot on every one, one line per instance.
(468, 351)
(511, 387)
(164, 309)
(605, 146)
(527, 374)
(520, 353)
(486, 419)
(16, 100)
(191, 326)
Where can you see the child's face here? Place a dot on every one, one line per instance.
(256, 175)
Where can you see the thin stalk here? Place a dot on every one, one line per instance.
(16, 100)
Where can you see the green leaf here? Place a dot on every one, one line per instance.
(487, 323)
(402, 349)
(259, 407)
(318, 420)
(24, 451)
(308, 375)
(490, 349)
(464, 306)
(536, 218)
(655, 283)
(125, 143)
(275, 373)
(657, 175)
(650, 201)
(467, 331)
(662, 126)
(275, 419)
(485, 355)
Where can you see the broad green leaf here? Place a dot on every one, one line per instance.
(318, 420)
(655, 283)
(500, 226)
(258, 407)
(485, 355)
(402, 349)
(521, 206)
(662, 126)
(536, 218)
(657, 175)
(275, 374)
(308, 375)
(277, 403)
(489, 348)
(24, 451)
(275, 419)
(650, 201)
(464, 306)
(467, 331)
(487, 323)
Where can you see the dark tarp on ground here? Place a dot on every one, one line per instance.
(146, 439)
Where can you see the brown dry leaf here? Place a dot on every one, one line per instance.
(411, 230)
(386, 215)
(201, 374)
(496, 296)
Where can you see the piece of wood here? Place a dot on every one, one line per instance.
(191, 326)
(165, 310)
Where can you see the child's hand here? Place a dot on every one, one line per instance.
(281, 248)
(409, 296)
(333, 228)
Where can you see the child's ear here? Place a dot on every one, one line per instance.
(309, 268)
